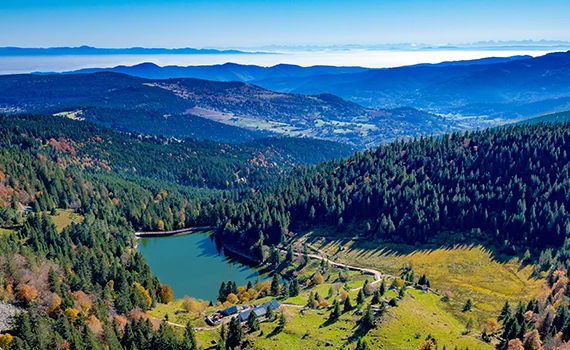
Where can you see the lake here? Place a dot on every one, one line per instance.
(363, 58)
(192, 265)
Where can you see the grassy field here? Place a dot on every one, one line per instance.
(418, 315)
(469, 272)
(65, 218)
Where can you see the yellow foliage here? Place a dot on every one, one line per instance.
(5, 341)
(53, 304)
(193, 305)
(232, 298)
(143, 293)
(71, 314)
(161, 225)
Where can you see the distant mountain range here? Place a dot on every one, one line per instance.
(493, 88)
(480, 45)
(88, 50)
(222, 72)
(185, 107)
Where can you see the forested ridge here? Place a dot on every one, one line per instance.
(511, 185)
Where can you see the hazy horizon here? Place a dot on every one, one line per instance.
(361, 58)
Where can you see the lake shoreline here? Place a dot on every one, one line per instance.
(194, 264)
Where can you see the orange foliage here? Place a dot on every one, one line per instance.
(318, 278)
(26, 294)
(166, 294)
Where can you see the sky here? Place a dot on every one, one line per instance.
(255, 23)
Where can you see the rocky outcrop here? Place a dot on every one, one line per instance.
(7, 313)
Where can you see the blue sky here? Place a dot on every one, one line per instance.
(250, 23)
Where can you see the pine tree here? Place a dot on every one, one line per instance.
(335, 313)
(468, 306)
(274, 258)
(269, 313)
(311, 302)
(235, 334)
(360, 297)
(382, 289)
(282, 322)
(252, 322)
(347, 304)
(289, 256)
(275, 286)
(189, 340)
(375, 298)
(505, 312)
(367, 320)
(362, 345)
(222, 293)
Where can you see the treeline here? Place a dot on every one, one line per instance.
(510, 185)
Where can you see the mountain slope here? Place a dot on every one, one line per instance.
(410, 192)
(237, 104)
(559, 117)
(502, 88)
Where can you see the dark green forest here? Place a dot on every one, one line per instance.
(508, 185)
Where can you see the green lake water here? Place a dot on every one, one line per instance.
(193, 266)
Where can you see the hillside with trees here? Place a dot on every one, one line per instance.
(507, 185)
(221, 111)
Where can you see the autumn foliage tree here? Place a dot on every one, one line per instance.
(165, 293)
(26, 294)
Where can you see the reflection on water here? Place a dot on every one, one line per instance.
(193, 265)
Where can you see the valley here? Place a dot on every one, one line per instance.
(372, 221)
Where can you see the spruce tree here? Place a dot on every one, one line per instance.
(252, 322)
(347, 304)
(468, 306)
(235, 334)
(367, 320)
(189, 339)
(360, 297)
(275, 285)
(382, 289)
(505, 312)
(335, 313)
(375, 297)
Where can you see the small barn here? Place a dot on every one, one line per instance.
(260, 310)
(230, 311)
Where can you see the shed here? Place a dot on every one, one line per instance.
(230, 311)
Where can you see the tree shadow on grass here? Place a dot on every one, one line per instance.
(358, 334)
(275, 332)
(328, 323)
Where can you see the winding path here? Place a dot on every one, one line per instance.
(378, 276)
